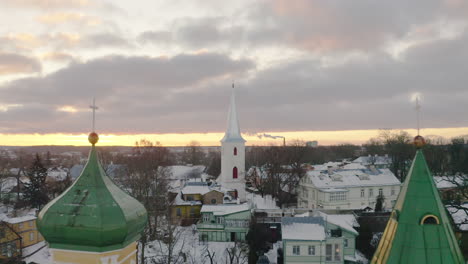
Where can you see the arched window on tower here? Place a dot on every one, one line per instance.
(234, 173)
(235, 151)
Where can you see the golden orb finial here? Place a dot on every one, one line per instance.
(93, 138)
(419, 141)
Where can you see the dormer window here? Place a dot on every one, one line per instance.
(235, 151)
(430, 220)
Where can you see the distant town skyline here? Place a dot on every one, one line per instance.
(332, 71)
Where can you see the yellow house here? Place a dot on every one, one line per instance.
(185, 212)
(10, 242)
(25, 227)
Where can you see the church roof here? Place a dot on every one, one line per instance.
(233, 130)
(93, 214)
(419, 230)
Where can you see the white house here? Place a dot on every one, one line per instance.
(347, 186)
(319, 238)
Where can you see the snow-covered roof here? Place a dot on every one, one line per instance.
(377, 160)
(225, 209)
(8, 184)
(179, 201)
(345, 221)
(341, 178)
(460, 216)
(259, 202)
(443, 182)
(23, 216)
(179, 172)
(196, 189)
(303, 228)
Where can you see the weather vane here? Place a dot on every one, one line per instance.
(418, 110)
(94, 107)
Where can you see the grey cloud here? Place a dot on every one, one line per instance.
(133, 90)
(14, 63)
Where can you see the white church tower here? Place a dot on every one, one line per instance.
(233, 154)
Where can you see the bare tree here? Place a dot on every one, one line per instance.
(148, 181)
(237, 253)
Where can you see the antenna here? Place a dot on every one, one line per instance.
(94, 107)
(418, 110)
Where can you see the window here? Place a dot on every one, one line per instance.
(213, 201)
(345, 243)
(31, 223)
(178, 212)
(235, 151)
(371, 192)
(306, 193)
(234, 173)
(2, 233)
(337, 252)
(362, 193)
(192, 212)
(219, 220)
(296, 250)
(206, 217)
(311, 250)
(335, 232)
(430, 220)
(393, 191)
(337, 196)
(380, 192)
(20, 225)
(189, 198)
(31, 236)
(328, 252)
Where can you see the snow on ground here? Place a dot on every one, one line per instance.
(189, 247)
(40, 257)
(273, 253)
(259, 202)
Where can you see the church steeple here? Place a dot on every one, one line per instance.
(233, 154)
(419, 229)
(233, 130)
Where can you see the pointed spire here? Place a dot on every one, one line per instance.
(233, 129)
(419, 229)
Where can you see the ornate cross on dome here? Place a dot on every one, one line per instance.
(94, 107)
(418, 110)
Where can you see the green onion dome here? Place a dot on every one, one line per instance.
(93, 214)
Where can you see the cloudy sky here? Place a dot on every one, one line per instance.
(164, 69)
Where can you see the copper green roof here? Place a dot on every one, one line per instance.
(419, 230)
(93, 214)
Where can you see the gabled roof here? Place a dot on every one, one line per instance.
(408, 238)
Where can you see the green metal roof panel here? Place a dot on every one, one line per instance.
(93, 212)
(405, 239)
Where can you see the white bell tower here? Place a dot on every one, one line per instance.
(233, 154)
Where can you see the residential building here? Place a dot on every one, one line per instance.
(224, 223)
(320, 238)
(347, 186)
(419, 229)
(25, 227)
(233, 155)
(10, 242)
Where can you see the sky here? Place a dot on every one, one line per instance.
(333, 71)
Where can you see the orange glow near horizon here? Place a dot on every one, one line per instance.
(212, 139)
